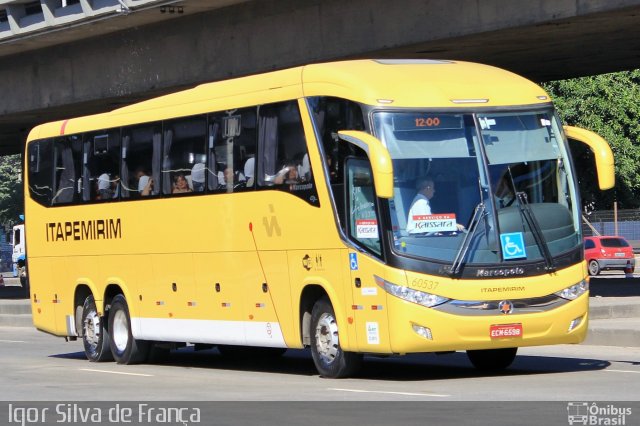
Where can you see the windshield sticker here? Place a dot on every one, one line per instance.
(513, 246)
(366, 228)
(486, 123)
(445, 222)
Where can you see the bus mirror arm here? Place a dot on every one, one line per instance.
(601, 151)
(379, 157)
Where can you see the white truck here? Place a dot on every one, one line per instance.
(18, 257)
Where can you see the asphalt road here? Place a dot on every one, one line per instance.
(37, 366)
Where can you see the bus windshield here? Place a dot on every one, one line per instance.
(510, 169)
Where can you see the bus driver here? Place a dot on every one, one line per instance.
(421, 206)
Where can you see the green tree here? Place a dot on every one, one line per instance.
(11, 195)
(608, 104)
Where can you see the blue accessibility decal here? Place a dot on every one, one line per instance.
(353, 261)
(513, 246)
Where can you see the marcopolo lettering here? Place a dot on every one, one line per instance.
(83, 230)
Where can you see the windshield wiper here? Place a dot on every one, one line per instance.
(534, 226)
(479, 213)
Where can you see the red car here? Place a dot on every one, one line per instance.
(604, 253)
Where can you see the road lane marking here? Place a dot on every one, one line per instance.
(623, 371)
(12, 341)
(115, 372)
(392, 393)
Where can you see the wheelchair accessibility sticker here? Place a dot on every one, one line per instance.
(513, 245)
(353, 261)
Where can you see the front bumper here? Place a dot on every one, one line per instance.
(566, 323)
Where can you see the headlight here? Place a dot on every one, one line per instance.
(575, 291)
(410, 295)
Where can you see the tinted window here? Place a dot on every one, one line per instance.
(40, 166)
(233, 137)
(613, 242)
(101, 169)
(589, 244)
(141, 153)
(184, 155)
(282, 147)
(363, 219)
(67, 184)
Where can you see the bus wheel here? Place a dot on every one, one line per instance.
(328, 357)
(492, 359)
(125, 349)
(94, 333)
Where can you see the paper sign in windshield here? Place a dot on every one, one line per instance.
(444, 222)
(366, 228)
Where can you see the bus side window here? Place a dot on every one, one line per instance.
(363, 220)
(67, 153)
(330, 115)
(141, 158)
(101, 166)
(283, 161)
(40, 169)
(183, 148)
(233, 137)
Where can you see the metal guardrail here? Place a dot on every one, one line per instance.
(625, 223)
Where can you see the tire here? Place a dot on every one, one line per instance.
(95, 336)
(594, 267)
(492, 359)
(125, 349)
(329, 358)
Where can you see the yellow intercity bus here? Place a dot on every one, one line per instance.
(361, 207)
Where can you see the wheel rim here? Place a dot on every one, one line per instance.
(120, 331)
(92, 330)
(593, 267)
(327, 344)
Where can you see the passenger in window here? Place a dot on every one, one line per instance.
(231, 179)
(180, 184)
(249, 167)
(288, 175)
(197, 177)
(107, 187)
(145, 183)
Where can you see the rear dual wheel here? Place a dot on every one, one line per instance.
(95, 337)
(125, 349)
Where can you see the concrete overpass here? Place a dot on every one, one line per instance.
(61, 58)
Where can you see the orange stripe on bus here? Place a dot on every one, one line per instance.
(64, 126)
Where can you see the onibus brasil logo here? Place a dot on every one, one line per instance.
(584, 413)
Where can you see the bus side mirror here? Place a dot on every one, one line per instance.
(601, 151)
(381, 165)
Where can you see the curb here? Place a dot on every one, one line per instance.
(16, 320)
(621, 332)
